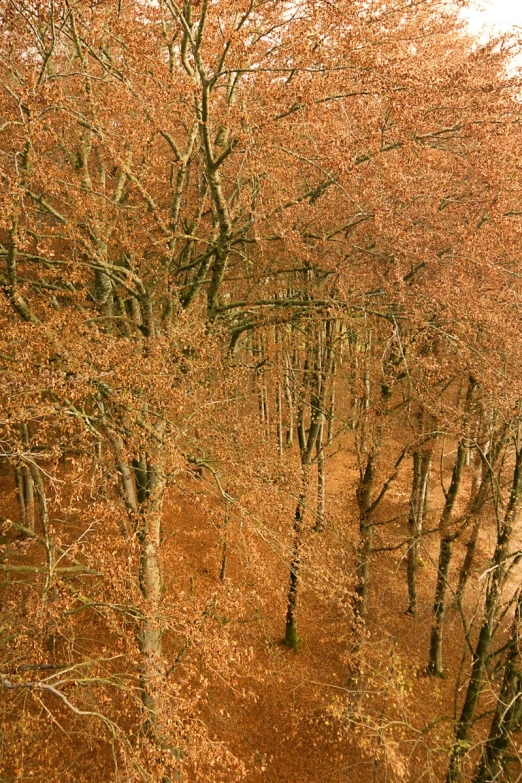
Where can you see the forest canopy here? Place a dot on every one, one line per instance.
(260, 428)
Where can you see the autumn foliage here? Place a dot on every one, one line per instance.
(261, 360)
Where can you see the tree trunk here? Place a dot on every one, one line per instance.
(291, 638)
(508, 713)
(321, 483)
(481, 654)
(439, 607)
(308, 443)
(480, 490)
(104, 294)
(153, 665)
(445, 552)
(414, 528)
(289, 401)
(364, 551)
(418, 501)
(467, 565)
(25, 492)
(279, 412)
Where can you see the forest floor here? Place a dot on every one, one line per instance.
(297, 717)
(302, 717)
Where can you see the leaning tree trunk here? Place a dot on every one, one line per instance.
(497, 574)
(447, 538)
(482, 483)
(508, 713)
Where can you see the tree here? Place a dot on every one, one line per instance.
(180, 179)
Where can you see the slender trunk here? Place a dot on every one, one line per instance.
(289, 401)
(25, 493)
(415, 527)
(321, 483)
(447, 537)
(308, 442)
(416, 517)
(467, 565)
(27, 481)
(365, 548)
(224, 555)
(493, 598)
(425, 489)
(445, 552)
(331, 409)
(98, 477)
(28, 488)
(44, 520)
(508, 712)
(301, 427)
(224, 549)
(19, 483)
(479, 492)
(331, 337)
(279, 412)
(291, 638)
(439, 607)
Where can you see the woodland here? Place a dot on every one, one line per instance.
(261, 393)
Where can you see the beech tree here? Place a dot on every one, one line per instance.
(215, 214)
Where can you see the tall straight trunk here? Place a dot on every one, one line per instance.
(224, 548)
(289, 400)
(19, 483)
(143, 488)
(447, 538)
(331, 409)
(365, 548)
(308, 443)
(418, 503)
(367, 507)
(301, 399)
(25, 493)
(445, 553)
(27, 481)
(487, 460)
(43, 509)
(321, 483)
(28, 484)
(480, 492)
(439, 606)
(480, 658)
(153, 664)
(279, 413)
(508, 713)
(265, 390)
(291, 638)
